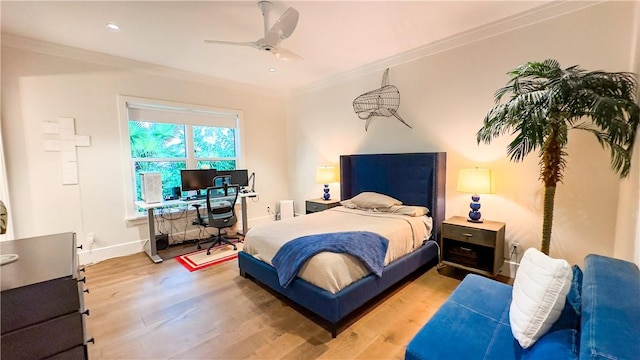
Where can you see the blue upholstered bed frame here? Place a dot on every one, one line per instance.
(415, 179)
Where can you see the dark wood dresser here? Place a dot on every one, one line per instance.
(43, 313)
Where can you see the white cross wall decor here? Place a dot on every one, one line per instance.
(65, 142)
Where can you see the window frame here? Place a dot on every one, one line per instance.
(184, 115)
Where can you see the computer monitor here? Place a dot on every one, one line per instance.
(236, 177)
(197, 179)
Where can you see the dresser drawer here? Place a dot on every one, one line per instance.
(78, 352)
(52, 298)
(470, 235)
(43, 339)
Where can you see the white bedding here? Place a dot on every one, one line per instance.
(333, 271)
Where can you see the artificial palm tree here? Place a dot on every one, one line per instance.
(548, 101)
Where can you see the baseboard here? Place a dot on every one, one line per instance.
(95, 255)
(509, 269)
(98, 254)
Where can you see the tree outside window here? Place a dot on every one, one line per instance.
(167, 149)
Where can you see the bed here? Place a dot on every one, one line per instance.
(414, 179)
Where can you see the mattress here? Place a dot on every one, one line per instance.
(333, 271)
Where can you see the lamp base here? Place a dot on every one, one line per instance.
(326, 195)
(474, 215)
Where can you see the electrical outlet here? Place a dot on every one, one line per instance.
(515, 246)
(91, 238)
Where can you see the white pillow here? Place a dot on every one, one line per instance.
(409, 210)
(539, 293)
(348, 204)
(372, 200)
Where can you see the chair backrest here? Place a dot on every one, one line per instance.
(221, 201)
(220, 180)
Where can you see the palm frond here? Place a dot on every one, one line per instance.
(620, 159)
(542, 94)
(520, 147)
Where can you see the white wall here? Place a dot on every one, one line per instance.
(445, 97)
(628, 222)
(37, 87)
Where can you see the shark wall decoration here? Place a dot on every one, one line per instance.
(379, 102)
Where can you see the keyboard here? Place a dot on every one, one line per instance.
(197, 197)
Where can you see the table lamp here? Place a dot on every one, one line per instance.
(475, 181)
(326, 175)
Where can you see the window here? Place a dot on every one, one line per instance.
(168, 137)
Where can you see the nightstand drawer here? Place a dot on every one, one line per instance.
(315, 207)
(470, 235)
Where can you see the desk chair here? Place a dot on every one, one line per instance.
(199, 220)
(217, 181)
(221, 213)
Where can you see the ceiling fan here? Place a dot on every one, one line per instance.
(282, 29)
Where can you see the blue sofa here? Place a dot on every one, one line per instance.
(600, 321)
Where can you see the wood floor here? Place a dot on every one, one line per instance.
(142, 310)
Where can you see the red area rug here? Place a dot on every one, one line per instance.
(199, 259)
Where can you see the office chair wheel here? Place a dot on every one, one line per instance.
(235, 248)
(199, 247)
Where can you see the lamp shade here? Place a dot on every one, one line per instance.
(326, 174)
(475, 181)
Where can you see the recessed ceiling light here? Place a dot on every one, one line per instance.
(272, 69)
(113, 26)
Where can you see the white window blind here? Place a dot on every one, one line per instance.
(166, 114)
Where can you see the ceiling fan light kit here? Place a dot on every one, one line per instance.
(281, 29)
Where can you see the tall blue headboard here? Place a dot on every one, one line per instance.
(413, 178)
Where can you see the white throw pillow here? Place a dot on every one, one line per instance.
(409, 210)
(348, 204)
(373, 200)
(539, 293)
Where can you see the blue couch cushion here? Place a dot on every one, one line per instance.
(574, 298)
(560, 344)
(610, 322)
(570, 315)
(473, 323)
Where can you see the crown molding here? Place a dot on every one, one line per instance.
(43, 47)
(534, 16)
(537, 15)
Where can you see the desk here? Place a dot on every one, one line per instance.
(150, 245)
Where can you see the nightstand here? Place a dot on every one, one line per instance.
(477, 247)
(316, 205)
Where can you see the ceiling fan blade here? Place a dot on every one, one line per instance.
(286, 55)
(253, 44)
(285, 25)
(282, 29)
